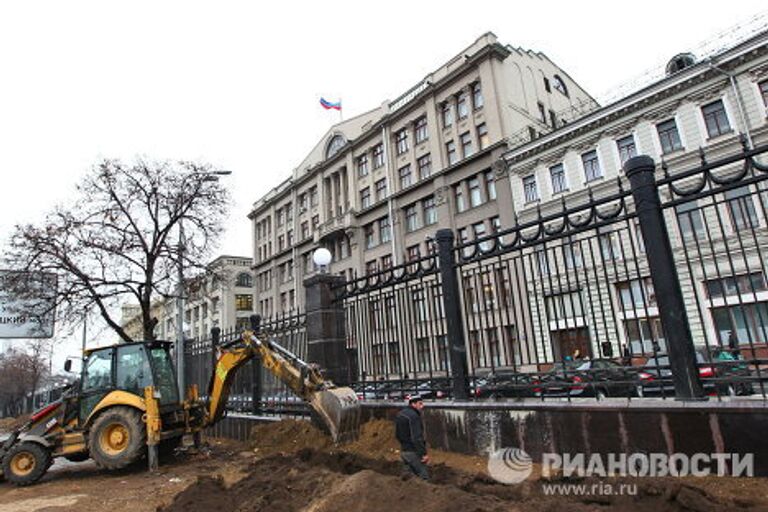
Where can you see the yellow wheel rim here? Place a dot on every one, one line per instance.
(114, 439)
(23, 463)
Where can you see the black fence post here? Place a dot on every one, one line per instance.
(669, 295)
(326, 327)
(453, 315)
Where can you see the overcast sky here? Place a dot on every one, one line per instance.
(237, 84)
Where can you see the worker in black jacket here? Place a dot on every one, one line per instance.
(409, 430)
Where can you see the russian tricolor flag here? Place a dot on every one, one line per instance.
(327, 105)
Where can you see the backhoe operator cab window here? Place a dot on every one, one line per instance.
(98, 371)
(165, 378)
(133, 370)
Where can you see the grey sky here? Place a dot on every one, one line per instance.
(237, 84)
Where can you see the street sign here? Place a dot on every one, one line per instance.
(27, 304)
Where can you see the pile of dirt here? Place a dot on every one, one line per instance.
(10, 424)
(287, 436)
(322, 481)
(377, 439)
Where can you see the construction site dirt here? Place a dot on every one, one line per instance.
(291, 466)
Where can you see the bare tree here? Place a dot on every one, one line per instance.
(22, 372)
(118, 241)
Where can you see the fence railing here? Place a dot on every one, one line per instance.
(656, 288)
(254, 390)
(565, 304)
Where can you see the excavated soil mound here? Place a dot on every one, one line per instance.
(313, 481)
(287, 436)
(297, 469)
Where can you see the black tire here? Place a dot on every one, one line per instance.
(25, 463)
(117, 438)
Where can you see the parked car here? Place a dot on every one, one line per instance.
(508, 385)
(722, 373)
(598, 378)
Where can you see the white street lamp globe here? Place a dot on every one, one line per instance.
(322, 257)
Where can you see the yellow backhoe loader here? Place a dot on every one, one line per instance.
(126, 406)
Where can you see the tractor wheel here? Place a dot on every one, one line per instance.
(117, 438)
(25, 463)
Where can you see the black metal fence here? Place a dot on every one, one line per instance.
(564, 304)
(254, 391)
(656, 288)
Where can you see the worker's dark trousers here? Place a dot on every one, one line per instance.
(412, 464)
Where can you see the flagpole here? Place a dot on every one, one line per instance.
(341, 111)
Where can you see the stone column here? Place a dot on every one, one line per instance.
(326, 329)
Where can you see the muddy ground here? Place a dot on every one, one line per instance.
(290, 466)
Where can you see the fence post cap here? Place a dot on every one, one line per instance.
(639, 163)
(444, 234)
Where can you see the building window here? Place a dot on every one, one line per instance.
(477, 96)
(741, 208)
(362, 166)
(669, 136)
(315, 222)
(482, 136)
(530, 190)
(413, 253)
(730, 286)
(304, 230)
(691, 222)
(763, 86)
(303, 203)
(370, 238)
(466, 144)
(244, 302)
(458, 194)
(425, 166)
(716, 119)
(547, 86)
(626, 148)
(386, 262)
(381, 189)
(430, 211)
(462, 109)
(559, 85)
(401, 141)
(557, 173)
(280, 242)
(378, 156)
(636, 294)
(610, 247)
(645, 335)
(447, 114)
(385, 234)
(450, 149)
(542, 112)
(370, 267)
(411, 218)
(475, 198)
(313, 196)
(244, 279)
(591, 164)
(405, 176)
(747, 323)
(490, 185)
(365, 198)
(421, 134)
(552, 118)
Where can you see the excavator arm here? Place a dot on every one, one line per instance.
(337, 407)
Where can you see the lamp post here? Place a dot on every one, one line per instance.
(179, 346)
(322, 258)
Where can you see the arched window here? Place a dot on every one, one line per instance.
(558, 84)
(335, 144)
(244, 279)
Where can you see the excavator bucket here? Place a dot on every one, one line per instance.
(340, 411)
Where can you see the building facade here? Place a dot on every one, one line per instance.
(712, 107)
(224, 299)
(375, 189)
